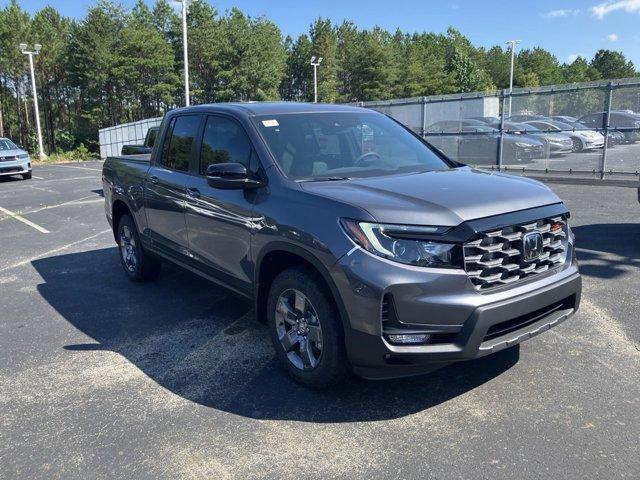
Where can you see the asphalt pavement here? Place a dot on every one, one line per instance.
(103, 378)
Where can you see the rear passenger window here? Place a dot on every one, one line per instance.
(224, 141)
(179, 142)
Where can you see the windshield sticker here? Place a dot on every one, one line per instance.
(270, 123)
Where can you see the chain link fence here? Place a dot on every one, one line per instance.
(585, 129)
(590, 129)
(112, 139)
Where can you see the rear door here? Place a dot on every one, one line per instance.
(220, 221)
(166, 183)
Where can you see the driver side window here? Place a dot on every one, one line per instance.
(224, 141)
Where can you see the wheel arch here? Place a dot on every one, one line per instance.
(118, 210)
(276, 258)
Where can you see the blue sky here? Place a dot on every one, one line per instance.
(566, 28)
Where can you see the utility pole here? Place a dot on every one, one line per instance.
(185, 49)
(30, 53)
(316, 63)
(513, 44)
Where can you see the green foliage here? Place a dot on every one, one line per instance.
(121, 64)
(613, 65)
(466, 74)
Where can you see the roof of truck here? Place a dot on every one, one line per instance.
(275, 108)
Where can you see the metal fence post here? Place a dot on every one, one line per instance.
(607, 121)
(501, 142)
(424, 117)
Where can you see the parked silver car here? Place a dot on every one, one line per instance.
(557, 143)
(14, 160)
(582, 139)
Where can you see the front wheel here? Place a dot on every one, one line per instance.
(306, 329)
(577, 145)
(27, 176)
(137, 264)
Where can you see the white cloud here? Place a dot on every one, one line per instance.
(567, 12)
(605, 8)
(572, 58)
(612, 37)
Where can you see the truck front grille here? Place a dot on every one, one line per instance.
(497, 258)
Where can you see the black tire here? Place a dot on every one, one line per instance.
(333, 366)
(142, 267)
(27, 176)
(577, 145)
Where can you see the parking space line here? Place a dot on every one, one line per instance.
(24, 220)
(55, 250)
(37, 178)
(65, 179)
(78, 168)
(79, 201)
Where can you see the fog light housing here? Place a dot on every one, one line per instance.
(409, 338)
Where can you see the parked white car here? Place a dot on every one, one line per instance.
(14, 160)
(582, 139)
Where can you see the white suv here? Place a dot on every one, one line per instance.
(14, 160)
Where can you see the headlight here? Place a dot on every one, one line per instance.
(395, 243)
(23, 156)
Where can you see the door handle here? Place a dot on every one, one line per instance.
(193, 192)
(153, 180)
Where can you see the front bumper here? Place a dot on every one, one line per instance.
(560, 149)
(465, 324)
(15, 167)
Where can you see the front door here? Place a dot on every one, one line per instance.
(166, 184)
(219, 222)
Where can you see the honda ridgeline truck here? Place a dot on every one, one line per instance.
(362, 248)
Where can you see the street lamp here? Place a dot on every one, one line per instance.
(185, 50)
(513, 44)
(316, 63)
(30, 53)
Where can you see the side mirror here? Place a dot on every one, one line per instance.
(230, 176)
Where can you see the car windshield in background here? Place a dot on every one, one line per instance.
(344, 145)
(520, 127)
(7, 145)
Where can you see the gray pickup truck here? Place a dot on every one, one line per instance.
(361, 247)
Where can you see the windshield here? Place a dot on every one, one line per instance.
(6, 144)
(311, 146)
(520, 127)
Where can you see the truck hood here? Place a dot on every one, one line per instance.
(442, 198)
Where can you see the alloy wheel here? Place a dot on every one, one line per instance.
(298, 329)
(128, 249)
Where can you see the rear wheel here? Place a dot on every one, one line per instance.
(306, 329)
(137, 264)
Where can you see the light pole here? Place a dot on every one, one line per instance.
(316, 63)
(513, 44)
(30, 53)
(185, 49)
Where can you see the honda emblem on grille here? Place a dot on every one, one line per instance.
(532, 243)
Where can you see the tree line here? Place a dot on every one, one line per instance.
(117, 65)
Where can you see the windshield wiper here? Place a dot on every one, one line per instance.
(323, 179)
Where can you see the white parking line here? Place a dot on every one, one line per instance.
(66, 179)
(79, 201)
(78, 168)
(24, 220)
(37, 178)
(55, 250)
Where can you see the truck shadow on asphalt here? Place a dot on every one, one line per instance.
(201, 343)
(607, 250)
